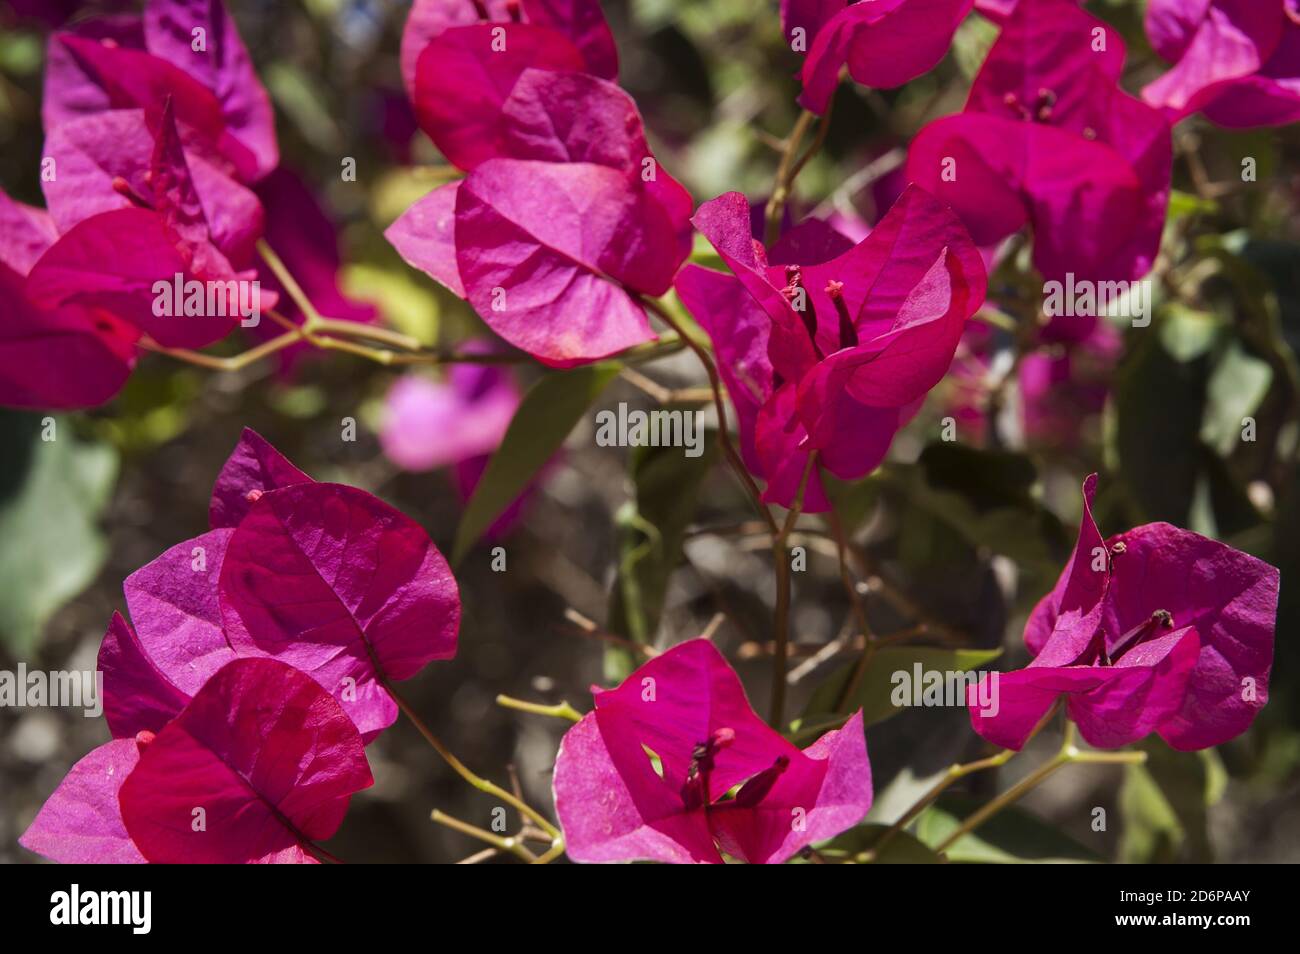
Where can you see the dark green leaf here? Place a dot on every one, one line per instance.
(547, 414)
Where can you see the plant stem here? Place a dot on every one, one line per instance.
(234, 362)
(1068, 754)
(724, 436)
(551, 853)
(561, 710)
(510, 844)
(781, 621)
(459, 767)
(786, 170)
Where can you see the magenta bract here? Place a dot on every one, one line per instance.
(129, 63)
(686, 709)
(832, 354)
(114, 259)
(883, 43)
(342, 586)
(553, 240)
(81, 822)
(1237, 61)
(580, 22)
(1156, 629)
(1049, 138)
(266, 754)
(64, 356)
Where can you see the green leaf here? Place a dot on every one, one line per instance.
(545, 417)
(52, 495)
(1159, 403)
(1236, 387)
(650, 530)
(960, 497)
(1164, 804)
(903, 848)
(1012, 836)
(877, 687)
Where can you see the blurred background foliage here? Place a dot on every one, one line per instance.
(964, 536)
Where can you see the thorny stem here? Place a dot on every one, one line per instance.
(509, 843)
(561, 710)
(781, 620)
(459, 767)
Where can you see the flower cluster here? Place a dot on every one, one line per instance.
(258, 666)
(160, 152)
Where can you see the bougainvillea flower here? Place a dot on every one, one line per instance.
(54, 358)
(1238, 61)
(1062, 382)
(832, 354)
(81, 822)
(175, 602)
(1048, 138)
(331, 580)
(1154, 630)
(724, 780)
(192, 643)
(188, 51)
(104, 162)
(884, 43)
(553, 243)
(114, 259)
(461, 59)
(266, 754)
(429, 424)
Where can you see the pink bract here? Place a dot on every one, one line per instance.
(1048, 138)
(52, 357)
(339, 584)
(878, 327)
(265, 752)
(883, 43)
(1156, 629)
(688, 708)
(554, 240)
(1237, 61)
(114, 259)
(81, 823)
(124, 62)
